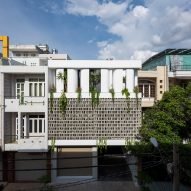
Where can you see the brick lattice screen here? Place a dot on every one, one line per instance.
(81, 122)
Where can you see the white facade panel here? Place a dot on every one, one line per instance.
(130, 80)
(118, 80)
(84, 82)
(104, 80)
(72, 80)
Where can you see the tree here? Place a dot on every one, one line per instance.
(169, 120)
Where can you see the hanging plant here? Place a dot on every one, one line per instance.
(79, 90)
(112, 94)
(53, 142)
(125, 92)
(136, 91)
(97, 98)
(52, 91)
(101, 144)
(128, 144)
(63, 76)
(63, 101)
(93, 92)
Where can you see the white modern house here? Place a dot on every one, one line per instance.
(53, 107)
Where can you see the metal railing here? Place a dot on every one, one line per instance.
(23, 101)
(181, 68)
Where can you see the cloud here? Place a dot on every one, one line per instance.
(142, 29)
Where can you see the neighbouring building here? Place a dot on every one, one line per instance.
(161, 71)
(53, 107)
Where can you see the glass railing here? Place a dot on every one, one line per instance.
(181, 68)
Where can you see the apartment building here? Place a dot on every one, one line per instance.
(53, 107)
(161, 71)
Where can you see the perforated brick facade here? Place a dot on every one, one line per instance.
(81, 122)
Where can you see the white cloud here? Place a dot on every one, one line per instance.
(143, 29)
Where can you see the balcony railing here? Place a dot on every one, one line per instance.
(26, 100)
(181, 68)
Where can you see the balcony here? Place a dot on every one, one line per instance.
(148, 101)
(27, 143)
(25, 104)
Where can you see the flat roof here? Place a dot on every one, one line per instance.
(169, 51)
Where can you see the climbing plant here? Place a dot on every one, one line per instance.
(112, 94)
(125, 92)
(94, 97)
(79, 90)
(63, 101)
(94, 82)
(136, 91)
(101, 144)
(63, 76)
(52, 91)
(52, 147)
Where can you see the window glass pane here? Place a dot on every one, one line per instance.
(30, 126)
(20, 80)
(152, 90)
(35, 126)
(40, 89)
(22, 87)
(146, 91)
(35, 89)
(33, 80)
(40, 126)
(30, 89)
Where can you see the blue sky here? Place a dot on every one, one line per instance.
(99, 29)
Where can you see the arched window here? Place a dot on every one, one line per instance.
(147, 88)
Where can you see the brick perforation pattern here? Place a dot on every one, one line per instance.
(82, 122)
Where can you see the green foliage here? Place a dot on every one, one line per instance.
(53, 141)
(112, 94)
(63, 101)
(94, 81)
(125, 92)
(94, 97)
(63, 76)
(101, 144)
(79, 90)
(94, 78)
(144, 179)
(169, 120)
(52, 91)
(136, 91)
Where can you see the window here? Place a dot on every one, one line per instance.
(36, 124)
(36, 87)
(147, 88)
(20, 90)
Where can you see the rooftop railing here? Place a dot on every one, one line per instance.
(181, 68)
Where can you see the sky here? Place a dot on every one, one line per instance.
(99, 29)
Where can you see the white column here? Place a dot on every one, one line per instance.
(136, 77)
(19, 125)
(130, 80)
(26, 87)
(72, 81)
(59, 82)
(118, 80)
(104, 80)
(110, 79)
(84, 80)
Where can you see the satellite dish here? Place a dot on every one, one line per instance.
(154, 141)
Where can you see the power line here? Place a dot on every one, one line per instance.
(76, 183)
(105, 156)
